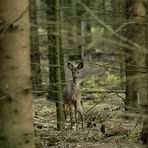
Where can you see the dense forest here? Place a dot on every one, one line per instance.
(73, 73)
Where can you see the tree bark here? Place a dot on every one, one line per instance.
(135, 59)
(55, 61)
(116, 21)
(51, 19)
(16, 126)
(58, 70)
(144, 132)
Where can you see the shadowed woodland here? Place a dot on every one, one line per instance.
(73, 73)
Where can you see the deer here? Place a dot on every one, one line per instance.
(72, 96)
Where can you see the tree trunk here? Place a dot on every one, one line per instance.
(76, 28)
(117, 19)
(59, 71)
(51, 19)
(85, 29)
(101, 8)
(55, 52)
(16, 127)
(144, 133)
(115, 14)
(135, 59)
(35, 54)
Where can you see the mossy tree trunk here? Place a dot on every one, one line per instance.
(16, 126)
(35, 54)
(135, 59)
(55, 61)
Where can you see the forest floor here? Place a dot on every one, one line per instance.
(106, 125)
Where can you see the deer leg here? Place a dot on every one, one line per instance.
(76, 121)
(82, 118)
(71, 116)
(65, 110)
(80, 111)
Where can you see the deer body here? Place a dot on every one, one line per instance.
(72, 95)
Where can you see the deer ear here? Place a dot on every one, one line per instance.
(69, 65)
(80, 66)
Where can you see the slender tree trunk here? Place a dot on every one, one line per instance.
(51, 19)
(59, 71)
(115, 10)
(76, 27)
(102, 9)
(135, 61)
(85, 30)
(55, 70)
(61, 53)
(116, 21)
(144, 133)
(16, 127)
(35, 54)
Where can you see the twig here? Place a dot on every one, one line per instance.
(41, 118)
(124, 69)
(110, 30)
(110, 90)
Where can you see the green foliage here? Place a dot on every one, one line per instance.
(108, 5)
(97, 29)
(91, 80)
(42, 31)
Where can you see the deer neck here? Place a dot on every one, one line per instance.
(75, 86)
